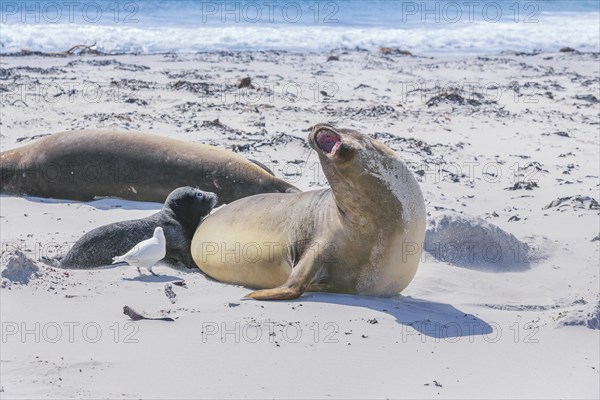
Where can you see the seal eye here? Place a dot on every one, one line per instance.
(328, 141)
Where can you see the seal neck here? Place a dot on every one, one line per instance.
(378, 196)
(358, 204)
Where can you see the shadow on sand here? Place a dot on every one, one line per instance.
(155, 279)
(436, 320)
(101, 203)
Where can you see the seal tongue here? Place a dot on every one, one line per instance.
(327, 140)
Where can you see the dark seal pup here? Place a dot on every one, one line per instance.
(364, 235)
(182, 212)
(83, 165)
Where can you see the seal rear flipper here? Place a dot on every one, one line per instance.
(290, 189)
(261, 165)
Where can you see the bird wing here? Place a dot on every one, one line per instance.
(147, 252)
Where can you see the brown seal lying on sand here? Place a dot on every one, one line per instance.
(364, 235)
(83, 165)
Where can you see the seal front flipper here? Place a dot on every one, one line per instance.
(278, 293)
(297, 283)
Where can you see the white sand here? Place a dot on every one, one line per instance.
(454, 333)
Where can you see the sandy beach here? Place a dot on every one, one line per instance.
(510, 139)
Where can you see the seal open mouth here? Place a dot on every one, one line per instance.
(328, 141)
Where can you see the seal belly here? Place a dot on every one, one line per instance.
(249, 258)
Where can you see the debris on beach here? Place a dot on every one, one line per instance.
(590, 98)
(135, 316)
(454, 97)
(577, 202)
(245, 83)
(523, 186)
(394, 51)
(170, 293)
(194, 87)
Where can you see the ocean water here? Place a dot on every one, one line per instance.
(156, 26)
